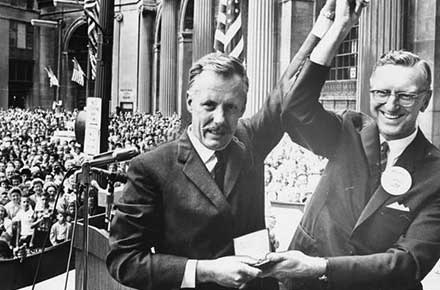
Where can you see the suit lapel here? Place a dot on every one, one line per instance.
(370, 141)
(407, 160)
(196, 171)
(236, 158)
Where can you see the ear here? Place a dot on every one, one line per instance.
(189, 102)
(426, 100)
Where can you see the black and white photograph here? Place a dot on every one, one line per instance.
(219, 145)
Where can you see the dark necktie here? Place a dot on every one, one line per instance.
(384, 149)
(219, 169)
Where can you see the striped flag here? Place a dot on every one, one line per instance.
(91, 9)
(53, 81)
(228, 35)
(78, 73)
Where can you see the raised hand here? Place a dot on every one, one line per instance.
(349, 11)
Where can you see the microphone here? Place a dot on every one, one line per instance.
(118, 155)
(112, 176)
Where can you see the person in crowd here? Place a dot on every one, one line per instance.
(42, 222)
(4, 198)
(5, 225)
(13, 206)
(61, 230)
(4, 183)
(15, 180)
(373, 221)
(70, 212)
(50, 188)
(23, 222)
(25, 173)
(37, 191)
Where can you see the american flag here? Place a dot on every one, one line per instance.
(78, 73)
(53, 81)
(228, 35)
(91, 9)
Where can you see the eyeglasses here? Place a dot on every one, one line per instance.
(405, 99)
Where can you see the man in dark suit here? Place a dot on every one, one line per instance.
(374, 220)
(172, 202)
(185, 201)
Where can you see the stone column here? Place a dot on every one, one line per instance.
(424, 18)
(286, 23)
(203, 28)
(155, 81)
(381, 29)
(168, 58)
(146, 26)
(295, 21)
(116, 59)
(260, 52)
(4, 63)
(185, 45)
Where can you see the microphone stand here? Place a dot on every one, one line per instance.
(86, 183)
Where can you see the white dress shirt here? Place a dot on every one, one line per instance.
(208, 158)
(397, 147)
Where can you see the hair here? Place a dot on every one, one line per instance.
(222, 64)
(15, 189)
(407, 59)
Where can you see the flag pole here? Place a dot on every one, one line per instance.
(103, 79)
(88, 73)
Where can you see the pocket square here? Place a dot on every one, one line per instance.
(398, 206)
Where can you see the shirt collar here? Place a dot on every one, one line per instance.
(398, 146)
(204, 153)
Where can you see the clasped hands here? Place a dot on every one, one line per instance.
(236, 271)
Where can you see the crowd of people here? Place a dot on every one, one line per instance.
(33, 161)
(292, 172)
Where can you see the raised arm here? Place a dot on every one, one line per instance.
(265, 126)
(304, 118)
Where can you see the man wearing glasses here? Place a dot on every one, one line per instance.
(374, 220)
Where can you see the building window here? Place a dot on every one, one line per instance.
(13, 34)
(344, 65)
(339, 106)
(20, 70)
(29, 36)
(21, 35)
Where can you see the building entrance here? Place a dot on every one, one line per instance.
(77, 48)
(20, 82)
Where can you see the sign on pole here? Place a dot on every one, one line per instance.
(93, 126)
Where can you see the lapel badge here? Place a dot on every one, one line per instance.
(396, 180)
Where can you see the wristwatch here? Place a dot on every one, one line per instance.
(324, 277)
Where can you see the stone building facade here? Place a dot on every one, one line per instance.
(155, 43)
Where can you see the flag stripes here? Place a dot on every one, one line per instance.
(78, 73)
(53, 81)
(91, 9)
(228, 35)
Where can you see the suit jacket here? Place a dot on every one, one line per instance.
(172, 204)
(368, 244)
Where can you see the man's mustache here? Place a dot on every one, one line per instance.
(218, 128)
